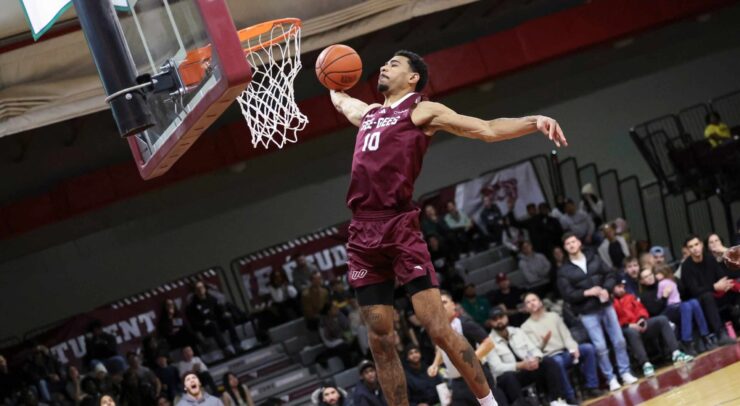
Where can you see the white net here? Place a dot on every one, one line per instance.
(268, 103)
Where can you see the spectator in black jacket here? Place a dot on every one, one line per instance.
(550, 229)
(585, 282)
(492, 220)
(103, 348)
(169, 377)
(174, 328)
(45, 372)
(704, 279)
(368, 391)
(209, 317)
(422, 387)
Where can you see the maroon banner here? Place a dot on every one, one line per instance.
(326, 249)
(129, 319)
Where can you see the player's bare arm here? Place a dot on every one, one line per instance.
(353, 109)
(435, 117)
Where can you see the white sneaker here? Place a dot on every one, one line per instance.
(614, 384)
(628, 379)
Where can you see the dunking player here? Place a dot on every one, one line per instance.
(385, 244)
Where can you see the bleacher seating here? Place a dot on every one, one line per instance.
(482, 259)
(347, 379)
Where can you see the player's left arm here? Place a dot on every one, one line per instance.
(434, 117)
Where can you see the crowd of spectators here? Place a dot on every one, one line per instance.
(585, 284)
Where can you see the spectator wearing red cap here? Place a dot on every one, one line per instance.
(509, 298)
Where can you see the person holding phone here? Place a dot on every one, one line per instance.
(638, 325)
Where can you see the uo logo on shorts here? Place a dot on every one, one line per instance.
(355, 275)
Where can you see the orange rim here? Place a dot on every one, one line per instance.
(203, 54)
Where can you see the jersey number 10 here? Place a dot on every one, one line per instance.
(371, 142)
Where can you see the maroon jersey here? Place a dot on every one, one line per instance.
(389, 152)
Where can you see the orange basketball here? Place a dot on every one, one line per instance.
(338, 67)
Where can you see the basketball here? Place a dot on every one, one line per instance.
(338, 67)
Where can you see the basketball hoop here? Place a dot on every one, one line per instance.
(268, 104)
(273, 49)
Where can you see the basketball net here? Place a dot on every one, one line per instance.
(273, 50)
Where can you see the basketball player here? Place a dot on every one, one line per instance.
(385, 243)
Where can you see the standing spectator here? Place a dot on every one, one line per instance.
(103, 381)
(152, 347)
(141, 380)
(461, 226)
(591, 204)
(368, 392)
(638, 326)
(102, 348)
(477, 307)
(631, 276)
(557, 260)
(515, 356)
(10, 383)
(45, 372)
(577, 222)
(509, 298)
(512, 235)
(314, 298)
(339, 295)
(191, 363)
(336, 334)
(549, 333)
(169, 377)
(195, 395)
(589, 297)
(431, 225)
(209, 317)
(550, 228)
(441, 256)
(716, 131)
(492, 219)
(613, 250)
(72, 386)
(704, 280)
(302, 272)
(716, 247)
(422, 387)
(284, 297)
(535, 267)
(530, 224)
(330, 396)
(174, 328)
(235, 393)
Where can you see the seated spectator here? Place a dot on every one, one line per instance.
(530, 224)
(191, 363)
(716, 131)
(478, 339)
(512, 235)
(72, 386)
(284, 297)
(169, 377)
(10, 383)
(194, 393)
(90, 392)
(45, 372)
(637, 326)
(509, 298)
(313, 299)
(684, 313)
(660, 255)
(631, 276)
(550, 229)
(613, 250)
(210, 318)
(152, 347)
(704, 279)
(174, 328)
(578, 223)
(107, 400)
(235, 393)
(405, 335)
(163, 401)
(492, 219)
(339, 295)
(477, 307)
(302, 272)
(557, 259)
(440, 255)
(589, 297)
(433, 225)
(591, 204)
(464, 230)
(330, 396)
(103, 348)
(515, 356)
(337, 335)
(550, 334)
(422, 387)
(358, 326)
(451, 281)
(368, 392)
(139, 382)
(535, 267)
(104, 382)
(716, 247)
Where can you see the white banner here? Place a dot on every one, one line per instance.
(41, 14)
(516, 183)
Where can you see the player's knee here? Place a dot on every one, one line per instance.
(440, 333)
(383, 341)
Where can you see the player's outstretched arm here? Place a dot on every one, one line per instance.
(436, 116)
(352, 108)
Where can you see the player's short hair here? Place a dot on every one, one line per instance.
(417, 65)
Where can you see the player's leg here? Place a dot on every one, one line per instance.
(376, 306)
(428, 308)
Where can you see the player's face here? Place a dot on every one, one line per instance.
(395, 75)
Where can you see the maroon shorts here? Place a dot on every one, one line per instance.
(385, 246)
